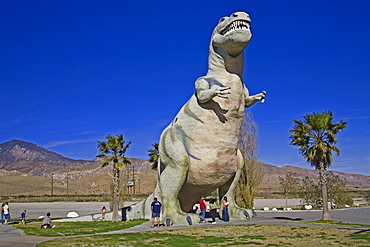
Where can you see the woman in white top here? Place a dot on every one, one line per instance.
(6, 213)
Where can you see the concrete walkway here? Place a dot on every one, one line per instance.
(352, 216)
(11, 236)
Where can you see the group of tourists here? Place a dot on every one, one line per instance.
(213, 209)
(5, 217)
(156, 208)
(5, 214)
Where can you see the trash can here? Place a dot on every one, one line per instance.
(124, 213)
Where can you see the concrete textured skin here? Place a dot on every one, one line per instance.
(199, 149)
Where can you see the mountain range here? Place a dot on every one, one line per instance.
(26, 168)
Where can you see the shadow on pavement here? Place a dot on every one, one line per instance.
(288, 218)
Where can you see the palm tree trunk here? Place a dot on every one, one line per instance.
(324, 189)
(115, 193)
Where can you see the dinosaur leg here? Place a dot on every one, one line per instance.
(174, 165)
(229, 190)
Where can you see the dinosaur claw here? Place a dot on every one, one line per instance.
(168, 221)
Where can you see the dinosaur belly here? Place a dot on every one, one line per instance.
(212, 138)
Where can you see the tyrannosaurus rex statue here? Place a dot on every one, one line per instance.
(199, 149)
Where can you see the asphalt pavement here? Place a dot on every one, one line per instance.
(11, 236)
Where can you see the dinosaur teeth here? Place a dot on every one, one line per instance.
(236, 25)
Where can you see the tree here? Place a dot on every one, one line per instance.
(154, 156)
(367, 196)
(309, 191)
(113, 153)
(315, 137)
(251, 175)
(289, 186)
(338, 191)
(122, 191)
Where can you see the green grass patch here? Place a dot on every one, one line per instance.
(253, 243)
(251, 235)
(363, 235)
(335, 223)
(76, 228)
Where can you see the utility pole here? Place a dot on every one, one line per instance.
(139, 181)
(67, 185)
(133, 179)
(52, 185)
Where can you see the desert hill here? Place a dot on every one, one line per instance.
(29, 158)
(88, 182)
(272, 174)
(13, 183)
(28, 169)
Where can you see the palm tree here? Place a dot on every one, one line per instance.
(315, 137)
(154, 155)
(113, 152)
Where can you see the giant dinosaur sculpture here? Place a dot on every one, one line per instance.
(199, 149)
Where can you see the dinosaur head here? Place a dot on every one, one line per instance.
(232, 34)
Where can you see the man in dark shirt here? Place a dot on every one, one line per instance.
(156, 207)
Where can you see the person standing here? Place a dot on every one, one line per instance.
(103, 212)
(6, 213)
(156, 207)
(23, 216)
(213, 207)
(202, 206)
(225, 210)
(2, 213)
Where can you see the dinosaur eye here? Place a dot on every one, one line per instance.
(222, 19)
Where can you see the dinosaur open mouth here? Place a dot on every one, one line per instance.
(235, 26)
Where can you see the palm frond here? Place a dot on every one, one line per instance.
(315, 137)
(154, 155)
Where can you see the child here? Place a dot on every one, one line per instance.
(103, 212)
(23, 216)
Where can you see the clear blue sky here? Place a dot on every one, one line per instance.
(72, 72)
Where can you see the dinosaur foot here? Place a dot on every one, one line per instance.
(181, 219)
(241, 213)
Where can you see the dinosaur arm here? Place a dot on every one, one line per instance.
(251, 100)
(204, 93)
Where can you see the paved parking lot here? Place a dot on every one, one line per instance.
(57, 209)
(11, 236)
(60, 210)
(352, 215)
